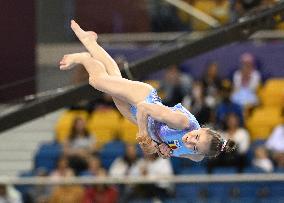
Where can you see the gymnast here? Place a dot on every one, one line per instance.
(167, 131)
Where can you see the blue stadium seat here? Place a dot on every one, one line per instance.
(279, 170)
(249, 190)
(194, 170)
(277, 189)
(177, 164)
(188, 191)
(111, 151)
(47, 155)
(270, 200)
(219, 190)
(242, 200)
(253, 170)
(224, 170)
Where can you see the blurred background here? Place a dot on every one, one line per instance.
(238, 89)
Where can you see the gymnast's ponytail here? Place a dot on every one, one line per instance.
(219, 145)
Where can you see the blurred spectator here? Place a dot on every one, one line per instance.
(164, 17)
(151, 166)
(275, 144)
(261, 159)
(79, 146)
(101, 193)
(68, 193)
(226, 106)
(94, 166)
(175, 85)
(221, 11)
(62, 169)
(9, 194)
(241, 7)
(212, 84)
(246, 81)
(40, 193)
(80, 142)
(197, 105)
(121, 166)
(239, 135)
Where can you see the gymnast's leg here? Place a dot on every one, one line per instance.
(132, 92)
(89, 39)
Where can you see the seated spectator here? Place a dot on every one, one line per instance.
(94, 166)
(226, 106)
(67, 193)
(246, 81)
(80, 142)
(197, 105)
(122, 165)
(175, 85)
(261, 159)
(151, 166)
(40, 193)
(101, 193)
(62, 169)
(275, 144)
(9, 194)
(240, 136)
(212, 84)
(79, 146)
(221, 11)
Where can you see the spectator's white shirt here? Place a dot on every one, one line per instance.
(276, 140)
(242, 139)
(119, 168)
(264, 164)
(253, 83)
(13, 196)
(157, 168)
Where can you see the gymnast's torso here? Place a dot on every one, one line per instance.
(160, 132)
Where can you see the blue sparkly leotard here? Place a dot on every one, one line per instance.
(160, 132)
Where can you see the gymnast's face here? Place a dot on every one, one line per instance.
(197, 141)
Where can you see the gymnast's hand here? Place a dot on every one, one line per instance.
(147, 144)
(164, 151)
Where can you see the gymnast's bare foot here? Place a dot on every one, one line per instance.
(71, 59)
(83, 36)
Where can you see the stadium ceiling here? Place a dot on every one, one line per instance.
(180, 51)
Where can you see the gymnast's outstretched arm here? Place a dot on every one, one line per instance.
(173, 119)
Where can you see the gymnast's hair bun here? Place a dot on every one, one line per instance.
(229, 146)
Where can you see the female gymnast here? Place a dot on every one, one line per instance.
(168, 131)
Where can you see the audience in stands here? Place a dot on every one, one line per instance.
(9, 194)
(94, 166)
(212, 84)
(246, 80)
(80, 142)
(261, 159)
(39, 193)
(275, 144)
(164, 17)
(68, 193)
(151, 166)
(197, 105)
(101, 193)
(121, 166)
(175, 85)
(62, 169)
(226, 106)
(79, 146)
(235, 132)
(221, 11)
